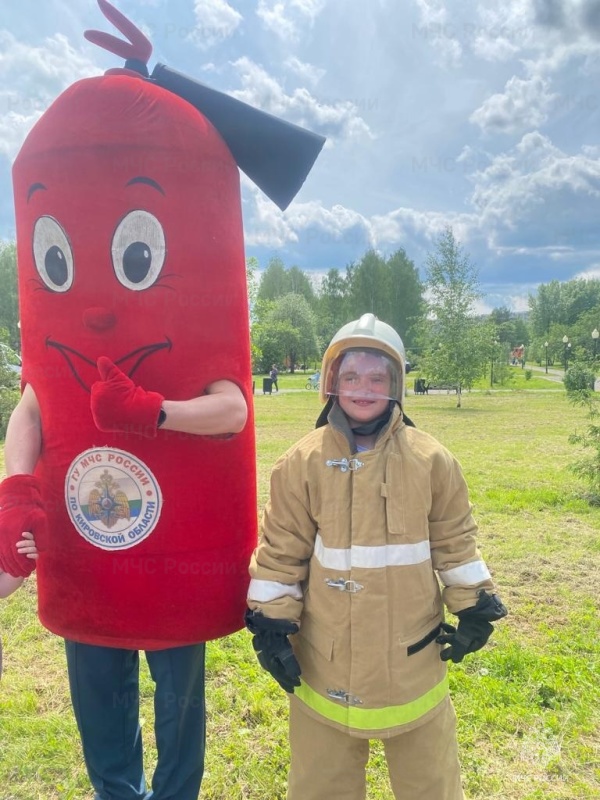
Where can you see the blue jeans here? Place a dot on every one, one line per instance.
(104, 684)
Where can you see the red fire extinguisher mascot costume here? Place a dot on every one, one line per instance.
(131, 454)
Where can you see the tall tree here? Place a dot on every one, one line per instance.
(509, 328)
(9, 303)
(298, 282)
(273, 282)
(331, 312)
(252, 281)
(579, 297)
(294, 310)
(286, 333)
(390, 288)
(367, 285)
(546, 307)
(406, 307)
(459, 344)
(278, 281)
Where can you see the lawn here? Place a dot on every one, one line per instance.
(528, 705)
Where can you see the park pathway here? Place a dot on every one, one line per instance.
(557, 375)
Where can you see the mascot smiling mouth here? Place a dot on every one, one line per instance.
(128, 363)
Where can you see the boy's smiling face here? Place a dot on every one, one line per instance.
(363, 386)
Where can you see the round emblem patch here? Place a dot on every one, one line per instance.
(113, 499)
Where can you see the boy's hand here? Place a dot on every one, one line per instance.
(474, 627)
(26, 546)
(119, 405)
(273, 648)
(471, 635)
(21, 513)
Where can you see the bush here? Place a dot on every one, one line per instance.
(579, 382)
(9, 398)
(579, 378)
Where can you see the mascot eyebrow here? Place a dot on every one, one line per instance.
(147, 181)
(34, 188)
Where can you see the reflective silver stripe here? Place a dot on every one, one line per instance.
(385, 555)
(265, 591)
(465, 575)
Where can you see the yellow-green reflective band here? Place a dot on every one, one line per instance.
(372, 719)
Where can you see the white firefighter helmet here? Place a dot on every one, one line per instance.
(367, 333)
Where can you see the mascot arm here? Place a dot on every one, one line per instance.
(24, 435)
(118, 404)
(22, 514)
(222, 410)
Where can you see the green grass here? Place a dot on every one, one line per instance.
(527, 705)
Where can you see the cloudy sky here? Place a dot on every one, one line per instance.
(437, 113)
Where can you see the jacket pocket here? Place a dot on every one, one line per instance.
(318, 638)
(426, 640)
(407, 495)
(414, 675)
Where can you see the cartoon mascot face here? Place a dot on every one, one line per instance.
(130, 241)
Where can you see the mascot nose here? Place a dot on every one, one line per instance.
(98, 319)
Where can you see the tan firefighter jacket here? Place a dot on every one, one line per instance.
(350, 548)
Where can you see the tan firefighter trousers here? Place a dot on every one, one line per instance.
(328, 764)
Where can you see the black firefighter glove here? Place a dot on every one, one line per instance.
(273, 648)
(474, 627)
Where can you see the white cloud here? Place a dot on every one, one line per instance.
(216, 20)
(593, 273)
(310, 222)
(501, 31)
(287, 18)
(307, 72)
(519, 303)
(30, 79)
(523, 105)
(308, 8)
(440, 30)
(538, 199)
(403, 224)
(338, 120)
(270, 227)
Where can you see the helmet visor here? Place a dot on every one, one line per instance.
(363, 375)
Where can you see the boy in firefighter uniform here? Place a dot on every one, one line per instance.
(367, 517)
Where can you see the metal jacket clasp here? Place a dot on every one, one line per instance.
(345, 464)
(342, 585)
(344, 697)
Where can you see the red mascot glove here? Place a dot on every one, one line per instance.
(21, 509)
(119, 405)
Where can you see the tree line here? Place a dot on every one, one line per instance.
(433, 313)
(293, 316)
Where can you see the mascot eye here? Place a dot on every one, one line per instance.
(138, 250)
(52, 254)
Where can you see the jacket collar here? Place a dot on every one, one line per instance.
(338, 422)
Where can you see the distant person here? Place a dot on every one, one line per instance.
(273, 375)
(8, 584)
(367, 516)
